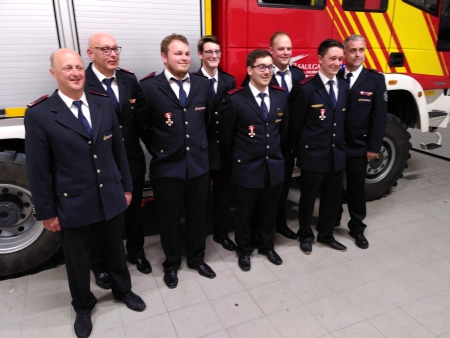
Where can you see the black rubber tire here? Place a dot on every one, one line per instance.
(13, 172)
(383, 173)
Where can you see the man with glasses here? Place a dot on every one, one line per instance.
(121, 86)
(220, 83)
(174, 108)
(317, 131)
(253, 125)
(285, 76)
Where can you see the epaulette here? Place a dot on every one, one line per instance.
(277, 87)
(200, 74)
(148, 76)
(375, 71)
(235, 90)
(39, 100)
(125, 70)
(306, 80)
(96, 93)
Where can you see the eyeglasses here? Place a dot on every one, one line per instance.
(107, 50)
(211, 52)
(262, 68)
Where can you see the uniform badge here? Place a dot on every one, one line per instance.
(252, 129)
(132, 101)
(364, 100)
(365, 93)
(317, 105)
(322, 114)
(199, 108)
(280, 114)
(278, 120)
(107, 137)
(168, 116)
(385, 96)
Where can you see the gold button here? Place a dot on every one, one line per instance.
(216, 113)
(267, 157)
(306, 146)
(239, 161)
(120, 126)
(333, 145)
(95, 156)
(184, 109)
(101, 185)
(217, 141)
(187, 136)
(187, 148)
(267, 135)
(162, 151)
(267, 124)
(186, 123)
(334, 123)
(98, 171)
(65, 194)
(217, 122)
(268, 147)
(89, 142)
(334, 135)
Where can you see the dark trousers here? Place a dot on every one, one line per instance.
(133, 228)
(169, 196)
(221, 201)
(77, 243)
(289, 161)
(258, 207)
(356, 193)
(329, 185)
(133, 222)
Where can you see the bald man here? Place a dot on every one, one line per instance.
(80, 181)
(104, 76)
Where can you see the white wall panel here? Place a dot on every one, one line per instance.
(27, 38)
(139, 27)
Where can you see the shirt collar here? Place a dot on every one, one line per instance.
(276, 70)
(216, 75)
(355, 73)
(256, 92)
(325, 79)
(69, 102)
(169, 75)
(100, 76)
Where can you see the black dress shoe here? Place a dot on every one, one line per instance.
(171, 279)
(83, 326)
(103, 280)
(142, 264)
(226, 243)
(206, 271)
(306, 248)
(360, 240)
(335, 245)
(286, 232)
(132, 301)
(244, 262)
(273, 257)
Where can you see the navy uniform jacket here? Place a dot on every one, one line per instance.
(226, 83)
(319, 142)
(82, 181)
(366, 114)
(251, 156)
(179, 147)
(128, 87)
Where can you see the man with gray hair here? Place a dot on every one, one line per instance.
(365, 124)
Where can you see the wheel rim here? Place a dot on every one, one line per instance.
(18, 225)
(378, 169)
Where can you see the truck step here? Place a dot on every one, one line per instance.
(435, 117)
(429, 146)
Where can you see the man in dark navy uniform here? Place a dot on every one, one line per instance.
(104, 76)
(318, 132)
(220, 83)
(80, 181)
(174, 110)
(253, 125)
(365, 124)
(285, 76)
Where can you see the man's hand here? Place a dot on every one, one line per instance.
(52, 224)
(128, 197)
(370, 155)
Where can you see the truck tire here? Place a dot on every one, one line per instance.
(384, 172)
(24, 244)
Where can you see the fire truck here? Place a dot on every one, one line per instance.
(408, 40)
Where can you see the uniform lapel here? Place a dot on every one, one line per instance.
(96, 115)
(360, 80)
(274, 104)
(193, 90)
(221, 87)
(65, 117)
(165, 87)
(320, 88)
(251, 101)
(92, 82)
(122, 89)
(341, 96)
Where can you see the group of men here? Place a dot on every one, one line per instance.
(86, 166)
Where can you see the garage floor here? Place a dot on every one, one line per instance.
(399, 287)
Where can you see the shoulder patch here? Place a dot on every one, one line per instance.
(306, 80)
(148, 76)
(99, 94)
(39, 100)
(126, 70)
(277, 87)
(235, 90)
(375, 71)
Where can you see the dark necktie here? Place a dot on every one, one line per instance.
(283, 81)
(111, 94)
(349, 76)
(264, 109)
(182, 94)
(332, 95)
(82, 118)
(213, 80)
